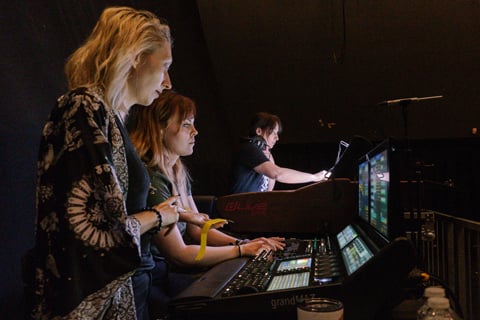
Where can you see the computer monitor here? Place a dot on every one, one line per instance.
(379, 191)
(364, 190)
(378, 172)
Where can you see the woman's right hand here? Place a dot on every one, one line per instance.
(320, 176)
(274, 243)
(169, 211)
(254, 248)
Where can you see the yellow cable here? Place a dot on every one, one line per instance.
(203, 237)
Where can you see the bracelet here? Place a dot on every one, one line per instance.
(244, 241)
(238, 242)
(239, 250)
(159, 218)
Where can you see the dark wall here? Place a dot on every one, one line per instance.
(335, 60)
(304, 60)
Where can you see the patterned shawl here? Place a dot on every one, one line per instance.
(86, 246)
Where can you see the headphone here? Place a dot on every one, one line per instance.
(260, 142)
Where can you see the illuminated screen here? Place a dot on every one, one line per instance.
(355, 255)
(345, 236)
(287, 281)
(363, 189)
(294, 264)
(379, 183)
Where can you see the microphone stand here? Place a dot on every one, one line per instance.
(404, 104)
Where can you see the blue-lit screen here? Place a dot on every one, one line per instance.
(345, 236)
(294, 264)
(363, 190)
(379, 184)
(355, 255)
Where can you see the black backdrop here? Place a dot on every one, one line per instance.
(305, 60)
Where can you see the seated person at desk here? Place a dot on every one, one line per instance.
(162, 133)
(254, 169)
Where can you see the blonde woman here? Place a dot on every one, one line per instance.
(92, 221)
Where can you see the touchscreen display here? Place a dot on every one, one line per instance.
(355, 255)
(294, 264)
(288, 281)
(346, 235)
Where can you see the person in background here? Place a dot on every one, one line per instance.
(163, 133)
(93, 225)
(254, 168)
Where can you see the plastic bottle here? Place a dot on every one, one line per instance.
(438, 309)
(429, 293)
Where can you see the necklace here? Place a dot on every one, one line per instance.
(180, 195)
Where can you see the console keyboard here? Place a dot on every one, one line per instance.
(254, 277)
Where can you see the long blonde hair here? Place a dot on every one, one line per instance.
(147, 126)
(105, 60)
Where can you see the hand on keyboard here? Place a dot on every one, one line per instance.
(254, 248)
(274, 243)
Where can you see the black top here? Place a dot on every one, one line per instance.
(244, 177)
(138, 186)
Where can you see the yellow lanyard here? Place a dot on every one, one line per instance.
(203, 237)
